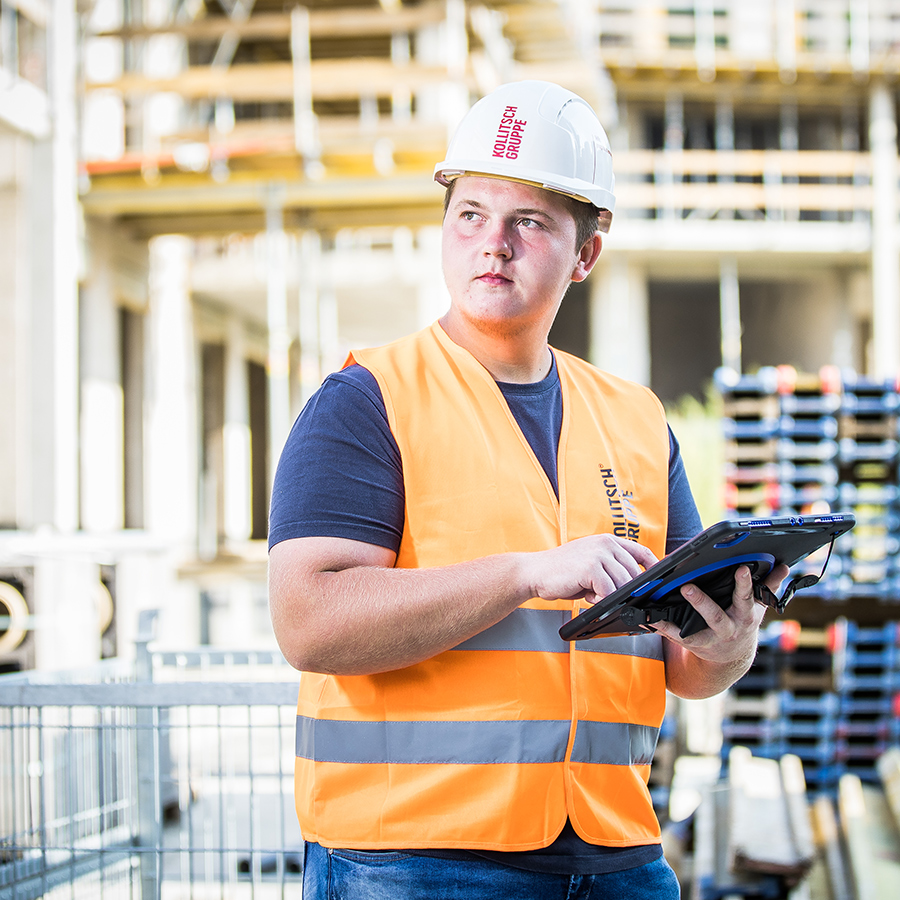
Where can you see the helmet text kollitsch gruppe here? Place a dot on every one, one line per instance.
(509, 134)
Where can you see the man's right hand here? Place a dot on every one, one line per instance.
(588, 568)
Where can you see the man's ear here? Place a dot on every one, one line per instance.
(588, 256)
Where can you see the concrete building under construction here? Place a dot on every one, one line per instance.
(204, 204)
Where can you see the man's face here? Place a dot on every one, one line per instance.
(508, 255)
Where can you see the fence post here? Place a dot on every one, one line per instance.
(148, 839)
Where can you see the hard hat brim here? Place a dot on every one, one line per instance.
(445, 175)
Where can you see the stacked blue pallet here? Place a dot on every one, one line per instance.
(835, 722)
(865, 560)
(781, 441)
(867, 679)
(806, 444)
(801, 444)
(868, 487)
(809, 724)
(752, 410)
(785, 703)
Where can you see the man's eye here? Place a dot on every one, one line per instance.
(530, 223)
(469, 216)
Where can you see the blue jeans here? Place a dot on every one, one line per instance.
(358, 875)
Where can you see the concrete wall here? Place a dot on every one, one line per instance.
(805, 323)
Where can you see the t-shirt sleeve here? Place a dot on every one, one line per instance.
(684, 519)
(340, 473)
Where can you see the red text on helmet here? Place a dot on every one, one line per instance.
(509, 134)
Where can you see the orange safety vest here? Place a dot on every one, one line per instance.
(492, 744)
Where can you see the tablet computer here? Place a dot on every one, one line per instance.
(710, 561)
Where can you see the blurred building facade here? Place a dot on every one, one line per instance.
(205, 203)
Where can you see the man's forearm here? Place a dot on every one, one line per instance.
(340, 607)
(692, 678)
(368, 619)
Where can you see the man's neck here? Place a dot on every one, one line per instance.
(518, 360)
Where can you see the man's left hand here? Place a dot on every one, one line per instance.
(728, 646)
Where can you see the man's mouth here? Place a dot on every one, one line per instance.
(493, 278)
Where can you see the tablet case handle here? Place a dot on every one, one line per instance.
(767, 597)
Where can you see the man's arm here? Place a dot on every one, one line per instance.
(707, 663)
(339, 607)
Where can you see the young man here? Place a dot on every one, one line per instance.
(442, 506)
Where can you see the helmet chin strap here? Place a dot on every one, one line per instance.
(763, 594)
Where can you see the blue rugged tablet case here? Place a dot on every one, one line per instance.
(710, 561)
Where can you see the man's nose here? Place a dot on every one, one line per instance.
(498, 240)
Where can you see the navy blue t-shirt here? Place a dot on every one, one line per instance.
(341, 475)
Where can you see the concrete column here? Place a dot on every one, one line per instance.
(730, 313)
(432, 299)
(279, 339)
(673, 144)
(172, 442)
(329, 320)
(860, 36)
(65, 583)
(786, 40)
(725, 143)
(102, 410)
(55, 261)
(789, 141)
(103, 111)
(444, 44)
(308, 299)
(15, 316)
(401, 97)
(751, 29)
(306, 128)
(844, 352)
(705, 39)
(885, 271)
(236, 439)
(620, 321)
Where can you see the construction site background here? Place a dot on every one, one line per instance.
(205, 204)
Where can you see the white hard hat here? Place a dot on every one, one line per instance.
(539, 133)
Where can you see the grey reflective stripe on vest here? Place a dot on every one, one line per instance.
(537, 631)
(471, 743)
(646, 646)
(614, 744)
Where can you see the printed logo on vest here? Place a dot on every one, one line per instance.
(508, 139)
(621, 507)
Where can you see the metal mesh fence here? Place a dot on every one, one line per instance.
(119, 786)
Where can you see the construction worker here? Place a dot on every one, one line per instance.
(442, 506)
